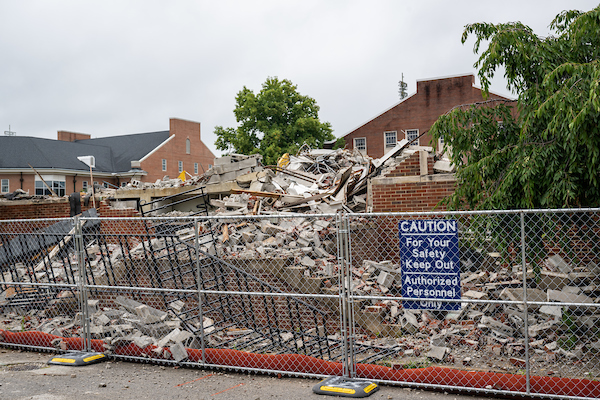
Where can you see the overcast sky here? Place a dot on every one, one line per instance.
(117, 67)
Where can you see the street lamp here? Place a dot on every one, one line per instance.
(90, 161)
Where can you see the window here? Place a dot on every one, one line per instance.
(105, 184)
(390, 139)
(123, 184)
(84, 186)
(188, 146)
(360, 144)
(164, 164)
(209, 166)
(180, 164)
(5, 186)
(195, 168)
(58, 186)
(412, 134)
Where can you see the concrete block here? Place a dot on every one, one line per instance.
(93, 306)
(231, 176)
(538, 329)
(553, 280)
(102, 319)
(248, 237)
(385, 279)
(168, 338)
(178, 352)
(474, 294)
(517, 294)
(307, 261)
(438, 353)
(270, 229)
(157, 330)
(491, 323)
(562, 297)
(555, 311)
(557, 263)
(438, 340)
(409, 322)
(149, 315)
(142, 341)
(222, 160)
(182, 336)
(177, 306)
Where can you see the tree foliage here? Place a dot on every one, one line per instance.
(545, 152)
(275, 121)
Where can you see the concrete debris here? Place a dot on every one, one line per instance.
(312, 181)
(438, 353)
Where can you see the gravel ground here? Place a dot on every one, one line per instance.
(26, 375)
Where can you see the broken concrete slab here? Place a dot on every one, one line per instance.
(557, 264)
(178, 352)
(438, 353)
(562, 297)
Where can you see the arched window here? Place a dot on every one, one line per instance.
(187, 146)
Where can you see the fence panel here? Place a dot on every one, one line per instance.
(236, 292)
(40, 285)
(521, 317)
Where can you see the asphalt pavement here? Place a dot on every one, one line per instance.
(26, 375)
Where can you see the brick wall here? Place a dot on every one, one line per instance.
(412, 166)
(55, 209)
(410, 194)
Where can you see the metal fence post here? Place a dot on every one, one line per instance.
(350, 293)
(342, 294)
(526, 308)
(82, 287)
(345, 295)
(199, 284)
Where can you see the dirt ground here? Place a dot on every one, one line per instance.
(26, 375)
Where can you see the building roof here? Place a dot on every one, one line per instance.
(127, 148)
(112, 154)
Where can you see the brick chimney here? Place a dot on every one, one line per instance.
(67, 136)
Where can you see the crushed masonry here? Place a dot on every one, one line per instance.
(301, 251)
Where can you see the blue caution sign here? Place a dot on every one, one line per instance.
(430, 263)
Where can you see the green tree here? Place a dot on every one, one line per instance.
(545, 152)
(340, 143)
(275, 121)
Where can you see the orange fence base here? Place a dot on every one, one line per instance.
(295, 363)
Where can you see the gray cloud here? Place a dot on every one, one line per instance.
(115, 67)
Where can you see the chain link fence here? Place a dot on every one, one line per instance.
(492, 302)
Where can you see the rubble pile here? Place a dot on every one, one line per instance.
(165, 182)
(564, 339)
(322, 181)
(313, 181)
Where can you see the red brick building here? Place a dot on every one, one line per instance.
(413, 116)
(143, 156)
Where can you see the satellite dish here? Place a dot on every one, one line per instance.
(90, 161)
